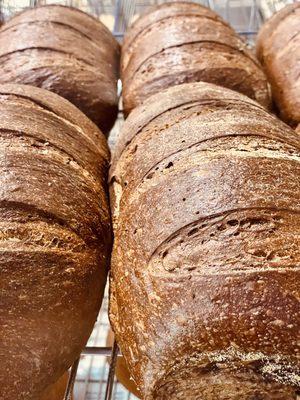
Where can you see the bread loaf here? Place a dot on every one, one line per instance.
(278, 48)
(66, 51)
(186, 42)
(205, 268)
(54, 233)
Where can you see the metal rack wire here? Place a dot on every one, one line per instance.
(244, 15)
(91, 377)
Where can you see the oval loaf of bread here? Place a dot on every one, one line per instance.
(186, 42)
(55, 236)
(64, 50)
(278, 48)
(205, 268)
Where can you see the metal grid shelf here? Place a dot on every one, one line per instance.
(92, 377)
(244, 15)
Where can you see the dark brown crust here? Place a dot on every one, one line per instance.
(176, 32)
(65, 51)
(201, 61)
(55, 236)
(205, 267)
(158, 13)
(278, 48)
(173, 37)
(271, 25)
(57, 14)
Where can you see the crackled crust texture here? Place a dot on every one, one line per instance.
(278, 49)
(55, 236)
(66, 51)
(183, 42)
(204, 295)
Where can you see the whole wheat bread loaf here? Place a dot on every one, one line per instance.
(278, 48)
(205, 198)
(185, 42)
(64, 50)
(55, 236)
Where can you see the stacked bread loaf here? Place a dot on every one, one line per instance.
(186, 42)
(205, 266)
(66, 51)
(278, 48)
(55, 236)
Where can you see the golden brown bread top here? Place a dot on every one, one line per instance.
(181, 42)
(66, 51)
(278, 48)
(55, 236)
(205, 266)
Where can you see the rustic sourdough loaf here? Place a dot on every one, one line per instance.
(66, 51)
(55, 236)
(186, 42)
(278, 48)
(204, 295)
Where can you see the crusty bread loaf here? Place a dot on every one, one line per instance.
(66, 51)
(278, 48)
(54, 233)
(186, 42)
(205, 267)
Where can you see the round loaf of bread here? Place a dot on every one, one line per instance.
(186, 42)
(278, 48)
(55, 236)
(205, 267)
(64, 50)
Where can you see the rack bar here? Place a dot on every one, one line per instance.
(99, 351)
(111, 375)
(71, 381)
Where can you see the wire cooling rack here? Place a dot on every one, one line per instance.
(92, 376)
(244, 15)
